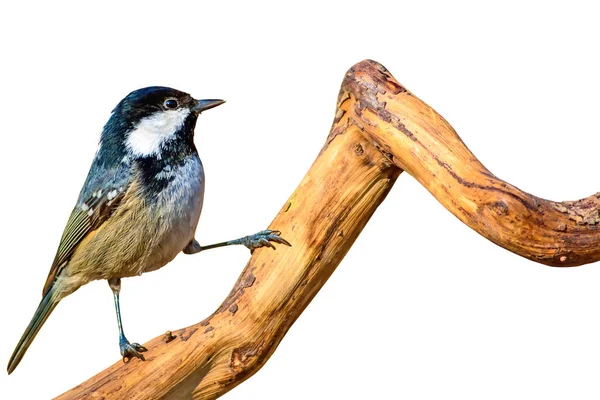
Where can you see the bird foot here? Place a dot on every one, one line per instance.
(263, 239)
(131, 350)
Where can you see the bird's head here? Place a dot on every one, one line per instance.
(152, 120)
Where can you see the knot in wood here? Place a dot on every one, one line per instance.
(358, 149)
(499, 208)
(243, 357)
(169, 337)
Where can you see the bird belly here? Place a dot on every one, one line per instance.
(176, 212)
(144, 234)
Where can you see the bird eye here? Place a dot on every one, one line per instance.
(171, 103)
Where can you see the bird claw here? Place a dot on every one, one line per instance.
(132, 350)
(264, 239)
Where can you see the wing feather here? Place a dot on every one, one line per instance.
(97, 202)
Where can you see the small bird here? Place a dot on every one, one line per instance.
(139, 206)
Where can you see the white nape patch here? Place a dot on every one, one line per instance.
(150, 133)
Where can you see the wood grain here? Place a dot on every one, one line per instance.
(379, 130)
(418, 140)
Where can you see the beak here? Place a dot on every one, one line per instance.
(203, 105)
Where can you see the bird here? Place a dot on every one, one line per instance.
(138, 208)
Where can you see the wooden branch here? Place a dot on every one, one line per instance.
(422, 143)
(321, 219)
(379, 130)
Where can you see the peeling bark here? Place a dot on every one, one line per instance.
(421, 142)
(379, 130)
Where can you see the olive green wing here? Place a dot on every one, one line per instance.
(87, 216)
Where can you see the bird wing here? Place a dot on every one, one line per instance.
(100, 197)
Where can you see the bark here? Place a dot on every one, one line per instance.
(421, 142)
(379, 130)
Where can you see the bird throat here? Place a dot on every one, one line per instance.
(158, 170)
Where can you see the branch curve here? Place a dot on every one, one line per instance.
(379, 130)
(418, 140)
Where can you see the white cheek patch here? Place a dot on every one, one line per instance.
(150, 133)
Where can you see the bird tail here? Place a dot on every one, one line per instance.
(49, 301)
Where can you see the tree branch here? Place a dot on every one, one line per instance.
(379, 130)
(421, 142)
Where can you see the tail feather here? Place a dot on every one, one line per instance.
(42, 313)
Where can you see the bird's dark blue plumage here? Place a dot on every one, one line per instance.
(139, 206)
(112, 164)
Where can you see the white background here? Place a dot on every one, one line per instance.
(422, 307)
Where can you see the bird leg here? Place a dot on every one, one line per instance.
(128, 350)
(260, 239)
